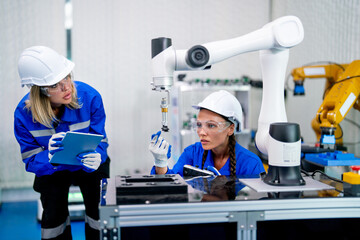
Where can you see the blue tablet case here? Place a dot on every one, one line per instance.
(75, 143)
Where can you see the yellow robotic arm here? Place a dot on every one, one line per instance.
(341, 92)
(329, 71)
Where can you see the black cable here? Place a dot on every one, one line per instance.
(342, 132)
(326, 90)
(312, 64)
(332, 178)
(324, 62)
(306, 173)
(321, 172)
(354, 123)
(342, 80)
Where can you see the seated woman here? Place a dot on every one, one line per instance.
(220, 116)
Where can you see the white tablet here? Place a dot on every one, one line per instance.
(75, 143)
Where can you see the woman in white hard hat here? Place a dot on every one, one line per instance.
(55, 105)
(220, 116)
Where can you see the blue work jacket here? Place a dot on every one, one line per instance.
(247, 163)
(34, 137)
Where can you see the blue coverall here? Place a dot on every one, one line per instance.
(247, 163)
(53, 182)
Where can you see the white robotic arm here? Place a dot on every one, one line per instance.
(281, 34)
(273, 40)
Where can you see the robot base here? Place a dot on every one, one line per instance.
(284, 176)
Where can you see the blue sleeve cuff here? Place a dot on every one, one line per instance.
(153, 171)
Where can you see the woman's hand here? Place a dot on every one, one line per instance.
(160, 149)
(55, 144)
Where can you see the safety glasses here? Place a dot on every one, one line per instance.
(58, 87)
(210, 126)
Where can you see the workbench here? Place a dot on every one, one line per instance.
(224, 208)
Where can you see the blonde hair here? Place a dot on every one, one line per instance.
(40, 106)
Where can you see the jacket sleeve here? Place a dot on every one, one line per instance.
(33, 155)
(97, 125)
(248, 163)
(185, 158)
(153, 171)
(257, 168)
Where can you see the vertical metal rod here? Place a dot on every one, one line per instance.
(164, 113)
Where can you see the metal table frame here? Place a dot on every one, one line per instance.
(245, 213)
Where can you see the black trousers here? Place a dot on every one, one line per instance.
(54, 190)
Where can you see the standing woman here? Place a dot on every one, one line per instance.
(55, 105)
(220, 116)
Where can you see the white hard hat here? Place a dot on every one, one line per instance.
(225, 104)
(42, 66)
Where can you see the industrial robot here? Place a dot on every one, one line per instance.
(341, 93)
(275, 137)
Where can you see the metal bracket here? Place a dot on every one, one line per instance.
(246, 223)
(253, 217)
(109, 224)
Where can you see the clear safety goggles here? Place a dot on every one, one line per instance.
(58, 87)
(210, 126)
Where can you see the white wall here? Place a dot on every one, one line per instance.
(332, 33)
(23, 24)
(111, 51)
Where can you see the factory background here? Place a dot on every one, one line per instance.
(111, 48)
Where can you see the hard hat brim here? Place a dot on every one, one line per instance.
(61, 75)
(42, 66)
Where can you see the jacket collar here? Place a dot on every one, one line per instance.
(69, 115)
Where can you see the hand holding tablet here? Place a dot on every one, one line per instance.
(75, 143)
